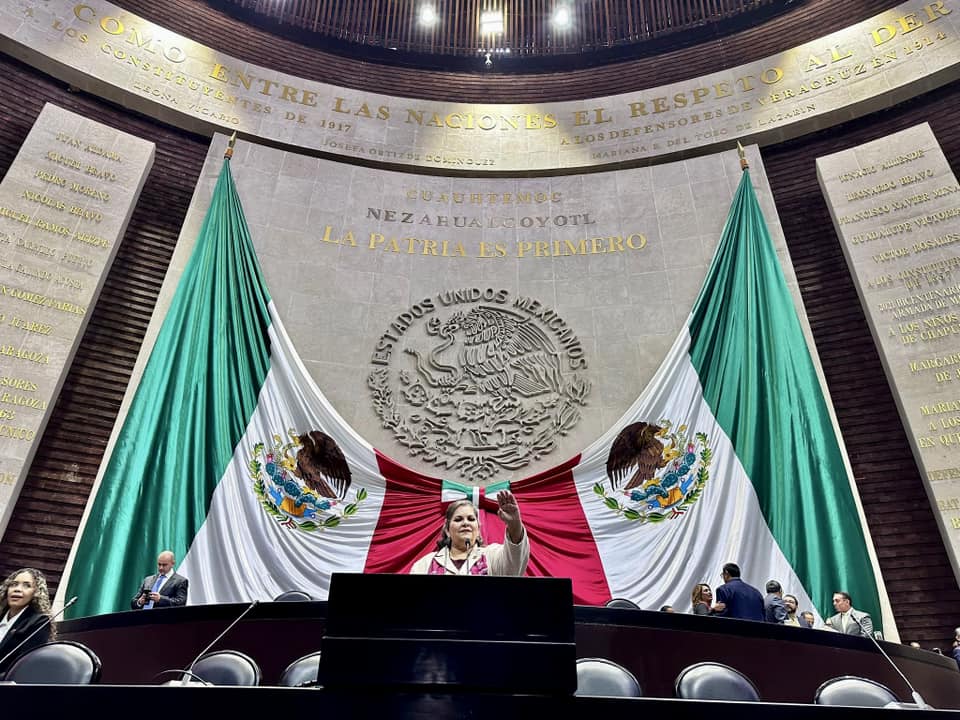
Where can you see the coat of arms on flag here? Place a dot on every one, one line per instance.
(305, 490)
(671, 469)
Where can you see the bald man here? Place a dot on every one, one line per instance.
(165, 589)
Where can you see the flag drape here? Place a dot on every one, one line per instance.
(206, 463)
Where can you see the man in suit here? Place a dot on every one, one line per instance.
(165, 589)
(737, 599)
(848, 620)
(774, 610)
(793, 619)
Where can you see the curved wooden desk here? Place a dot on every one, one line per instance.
(787, 664)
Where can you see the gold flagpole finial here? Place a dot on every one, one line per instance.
(743, 156)
(229, 151)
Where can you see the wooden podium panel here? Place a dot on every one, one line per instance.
(786, 664)
(501, 634)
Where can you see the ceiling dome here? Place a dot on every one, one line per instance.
(524, 35)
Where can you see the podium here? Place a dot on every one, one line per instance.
(449, 633)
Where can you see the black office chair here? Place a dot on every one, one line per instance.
(227, 667)
(56, 663)
(293, 596)
(621, 603)
(302, 672)
(853, 692)
(598, 677)
(715, 681)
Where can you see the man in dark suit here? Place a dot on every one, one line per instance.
(737, 599)
(165, 589)
(774, 610)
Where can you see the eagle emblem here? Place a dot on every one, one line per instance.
(481, 392)
(304, 483)
(655, 473)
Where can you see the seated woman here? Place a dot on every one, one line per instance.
(460, 551)
(702, 599)
(24, 606)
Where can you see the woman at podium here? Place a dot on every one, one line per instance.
(460, 551)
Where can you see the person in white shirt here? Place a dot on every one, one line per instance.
(460, 551)
(24, 608)
(163, 590)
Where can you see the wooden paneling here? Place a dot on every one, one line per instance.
(912, 559)
(51, 504)
(527, 27)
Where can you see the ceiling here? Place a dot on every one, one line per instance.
(525, 36)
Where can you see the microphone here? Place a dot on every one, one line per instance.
(49, 619)
(913, 691)
(189, 670)
(220, 637)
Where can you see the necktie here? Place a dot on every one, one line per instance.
(156, 586)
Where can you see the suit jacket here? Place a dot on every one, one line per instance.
(30, 621)
(774, 611)
(742, 600)
(835, 622)
(172, 594)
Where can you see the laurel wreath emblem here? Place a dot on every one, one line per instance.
(285, 498)
(676, 487)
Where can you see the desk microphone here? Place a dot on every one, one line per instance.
(913, 691)
(220, 637)
(38, 628)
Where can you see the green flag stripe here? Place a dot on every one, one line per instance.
(759, 380)
(198, 392)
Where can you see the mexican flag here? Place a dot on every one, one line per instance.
(232, 457)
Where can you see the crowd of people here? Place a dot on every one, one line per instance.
(737, 599)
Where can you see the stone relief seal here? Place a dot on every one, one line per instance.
(479, 383)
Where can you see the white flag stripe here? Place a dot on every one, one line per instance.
(241, 552)
(657, 564)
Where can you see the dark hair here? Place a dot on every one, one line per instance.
(666, 608)
(444, 539)
(732, 569)
(773, 586)
(844, 595)
(41, 595)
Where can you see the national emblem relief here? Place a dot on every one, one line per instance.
(303, 483)
(483, 388)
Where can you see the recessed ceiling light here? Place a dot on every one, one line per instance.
(427, 15)
(491, 22)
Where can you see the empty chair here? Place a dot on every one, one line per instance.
(597, 677)
(715, 681)
(302, 672)
(227, 667)
(56, 663)
(293, 596)
(622, 603)
(853, 692)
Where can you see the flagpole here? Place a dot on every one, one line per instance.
(744, 165)
(228, 153)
